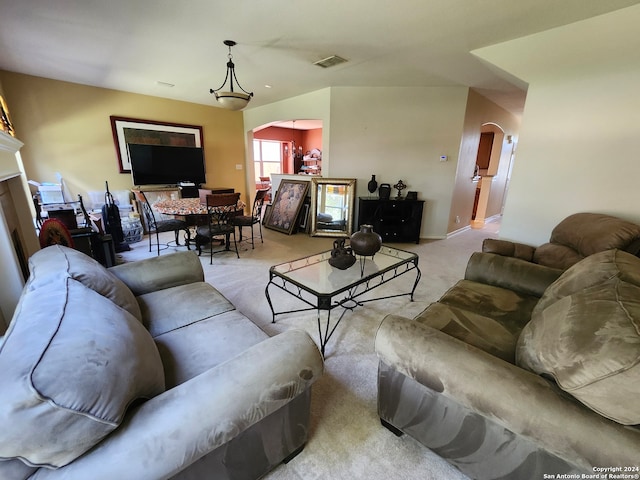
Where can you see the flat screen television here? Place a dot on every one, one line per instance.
(166, 165)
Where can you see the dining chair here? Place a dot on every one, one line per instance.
(39, 220)
(160, 226)
(265, 184)
(220, 208)
(255, 217)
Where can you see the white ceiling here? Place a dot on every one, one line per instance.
(141, 45)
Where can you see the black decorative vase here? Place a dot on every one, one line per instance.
(341, 257)
(366, 242)
(384, 192)
(372, 186)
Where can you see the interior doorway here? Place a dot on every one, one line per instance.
(297, 143)
(486, 169)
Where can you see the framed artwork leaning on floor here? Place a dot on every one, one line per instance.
(286, 205)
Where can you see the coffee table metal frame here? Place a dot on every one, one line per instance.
(322, 287)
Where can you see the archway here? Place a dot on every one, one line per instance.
(298, 140)
(487, 165)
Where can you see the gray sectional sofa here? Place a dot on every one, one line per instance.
(521, 370)
(145, 371)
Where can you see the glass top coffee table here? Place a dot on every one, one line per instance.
(322, 287)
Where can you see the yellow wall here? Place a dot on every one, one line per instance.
(66, 129)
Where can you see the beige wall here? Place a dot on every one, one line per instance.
(394, 133)
(66, 129)
(400, 134)
(580, 136)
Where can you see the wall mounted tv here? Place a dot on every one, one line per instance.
(166, 165)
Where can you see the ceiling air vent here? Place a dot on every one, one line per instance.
(331, 61)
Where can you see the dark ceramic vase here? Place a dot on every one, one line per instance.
(366, 242)
(384, 192)
(372, 186)
(341, 256)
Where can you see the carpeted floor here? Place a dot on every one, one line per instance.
(346, 440)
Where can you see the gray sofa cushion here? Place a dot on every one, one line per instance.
(15, 470)
(59, 261)
(586, 335)
(177, 307)
(69, 372)
(188, 352)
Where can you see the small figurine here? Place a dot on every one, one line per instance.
(399, 186)
(341, 257)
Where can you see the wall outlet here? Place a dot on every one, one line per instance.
(238, 166)
(457, 218)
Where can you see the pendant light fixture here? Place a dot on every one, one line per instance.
(231, 100)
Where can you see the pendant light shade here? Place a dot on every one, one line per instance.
(230, 99)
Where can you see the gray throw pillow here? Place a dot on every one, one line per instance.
(59, 261)
(71, 363)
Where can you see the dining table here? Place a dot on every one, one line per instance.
(189, 206)
(193, 209)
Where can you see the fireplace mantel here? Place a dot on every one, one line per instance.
(18, 240)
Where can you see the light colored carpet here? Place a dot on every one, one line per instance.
(346, 440)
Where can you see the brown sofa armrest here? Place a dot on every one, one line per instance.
(512, 273)
(508, 249)
(521, 401)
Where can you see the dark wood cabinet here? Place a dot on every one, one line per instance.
(395, 220)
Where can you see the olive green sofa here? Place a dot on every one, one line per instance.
(520, 369)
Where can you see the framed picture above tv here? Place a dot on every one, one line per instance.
(150, 132)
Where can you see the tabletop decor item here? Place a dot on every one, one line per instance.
(372, 186)
(366, 242)
(399, 186)
(384, 192)
(341, 257)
